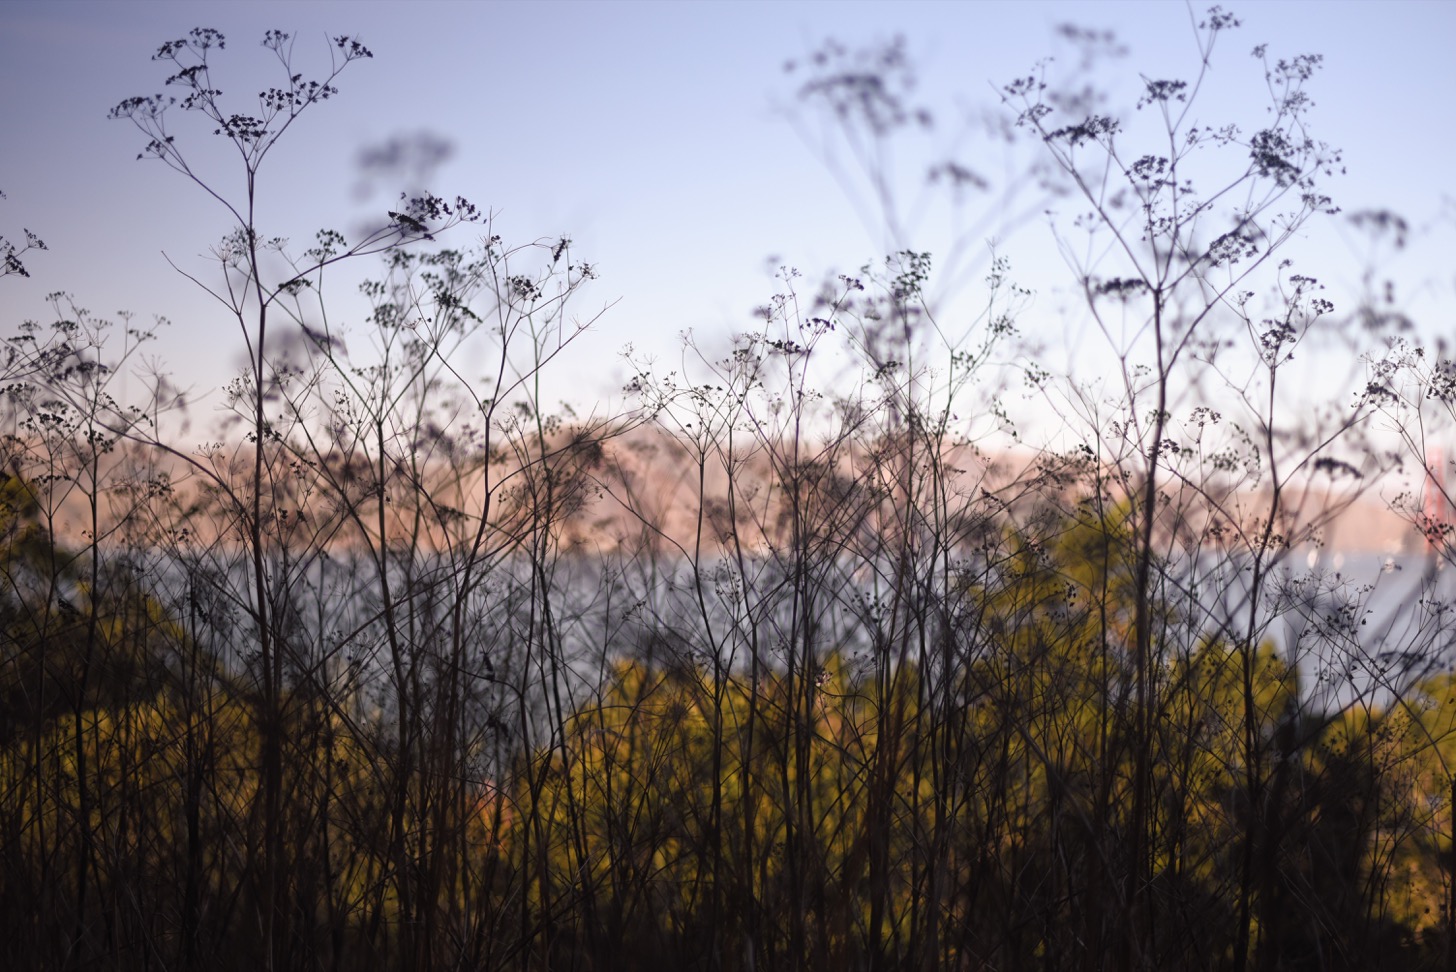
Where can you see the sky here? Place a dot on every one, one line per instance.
(667, 140)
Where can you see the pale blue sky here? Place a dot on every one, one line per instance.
(655, 135)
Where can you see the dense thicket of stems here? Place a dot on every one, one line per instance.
(791, 665)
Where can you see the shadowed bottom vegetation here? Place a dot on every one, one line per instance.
(808, 775)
